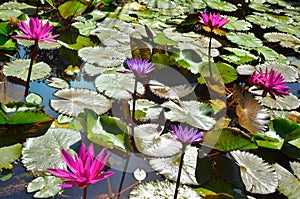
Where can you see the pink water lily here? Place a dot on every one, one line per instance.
(213, 21)
(270, 82)
(84, 168)
(36, 31)
(187, 136)
(139, 67)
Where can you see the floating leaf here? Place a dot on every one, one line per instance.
(71, 8)
(268, 140)
(257, 175)
(139, 174)
(37, 157)
(221, 5)
(9, 154)
(285, 40)
(240, 56)
(252, 116)
(19, 68)
(75, 100)
(268, 53)
(34, 99)
(228, 139)
(85, 27)
(149, 108)
(191, 112)
(105, 57)
(58, 83)
(162, 39)
(245, 40)
(237, 25)
(118, 86)
(169, 166)
(163, 190)
(110, 37)
(149, 141)
(289, 185)
(245, 69)
(174, 92)
(46, 186)
(287, 130)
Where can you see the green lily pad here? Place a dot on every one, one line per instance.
(268, 53)
(6, 43)
(71, 8)
(85, 27)
(245, 40)
(221, 5)
(263, 140)
(110, 37)
(46, 186)
(191, 112)
(37, 157)
(19, 68)
(75, 100)
(149, 109)
(34, 98)
(58, 83)
(287, 130)
(6, 13)
(229, 139)
(118, 86)
(237, 25)
(9, 154)
(257, 175)
(285, 40)
(105, 57)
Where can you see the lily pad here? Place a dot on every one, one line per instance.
(191, 112)
(221, 5)
(289, 185)
(118, 86)
(237, 25)
(149, 108)
(285, 40)
(71, 8)
(9, 154)
(149, 141)
(239, 56)
(110, 37)
(19, 68)
(75, 100)
(46, 186)
(34, 99)
(163, 190)
(245, 40)
(169, 167)
(37, 157)
(257, 175)
(58, 83)
(105, 57)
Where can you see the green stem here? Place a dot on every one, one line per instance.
(180, 169)
(85, 193)
(33, 54)
(209, 54)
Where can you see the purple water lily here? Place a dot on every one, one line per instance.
(187, 136)
(270, 82)
(139, 67)
(85, 169)
(36, 31)
(213, 21)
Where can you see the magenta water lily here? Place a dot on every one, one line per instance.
(140, 67)
(213, 20)
(186, 135)
(270, 82)
(36, 31)
(84, 168)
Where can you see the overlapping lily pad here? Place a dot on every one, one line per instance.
(248, 41)
(74, 100)
(285, 40)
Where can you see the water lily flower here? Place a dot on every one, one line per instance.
(36, 31)
(139, 67)
(213, 21)
(187, 136)
(270, 82)
(84, 168)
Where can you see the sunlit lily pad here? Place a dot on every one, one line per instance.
(34, 98)
(105, 57)
(149, 109)
(169, 166)
(46, 186)
(110, 37)
(285, 40)
(58, 83)
(85, 27)
(191, 112)
(9, 154)
(149, 141)
(245, 40)
(221, 5)
(163, 190)
(37, 157)
(268, 53)
(163, 4)
(174, 92)
(118, 86)
(19, 68)
(289, 185)
(75, 100)
(257, 175)
(237, 25)
(239, 56)
(42, 45)
(245, 69)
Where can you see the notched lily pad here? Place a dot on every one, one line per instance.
(46, 186)
(245, 40)
(75, 100)
(19, 68)
(285, 40)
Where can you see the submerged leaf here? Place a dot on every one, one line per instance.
(257, 175)
(19, 68)
(75, 100)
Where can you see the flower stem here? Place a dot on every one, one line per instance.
(33, 54)
(180, 169)
(123, 177)
(85, 193)
(209, 54)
